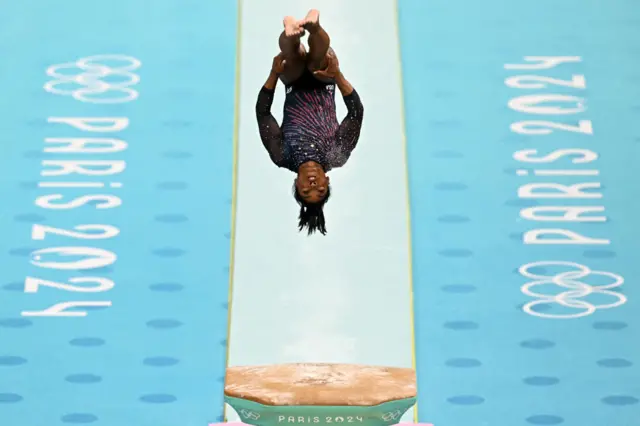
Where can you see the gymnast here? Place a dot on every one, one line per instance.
(310, 141)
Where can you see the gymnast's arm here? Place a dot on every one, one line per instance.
(270, 132)
(349, 130)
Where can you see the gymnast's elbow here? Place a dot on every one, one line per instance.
(356, 112)
(359, 111)
(262, 110)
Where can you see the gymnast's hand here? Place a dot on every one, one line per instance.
(332, 70)
(278, 64)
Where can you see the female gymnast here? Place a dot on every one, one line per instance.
(310, 141)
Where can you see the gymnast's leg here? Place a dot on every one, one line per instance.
(293, 51)
(319, 41)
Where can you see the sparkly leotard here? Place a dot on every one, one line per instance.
(310, 129)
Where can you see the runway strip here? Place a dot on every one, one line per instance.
(344, 297)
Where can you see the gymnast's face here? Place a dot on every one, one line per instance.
(312, 183)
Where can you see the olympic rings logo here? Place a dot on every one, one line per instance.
(248, 414)
(86, 79)
(575, 289)
(392, 416)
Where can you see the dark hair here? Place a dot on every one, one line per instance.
(311, 214)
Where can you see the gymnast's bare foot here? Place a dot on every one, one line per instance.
(311, 22)
(292, 27)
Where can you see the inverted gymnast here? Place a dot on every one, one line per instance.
(310, 141)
